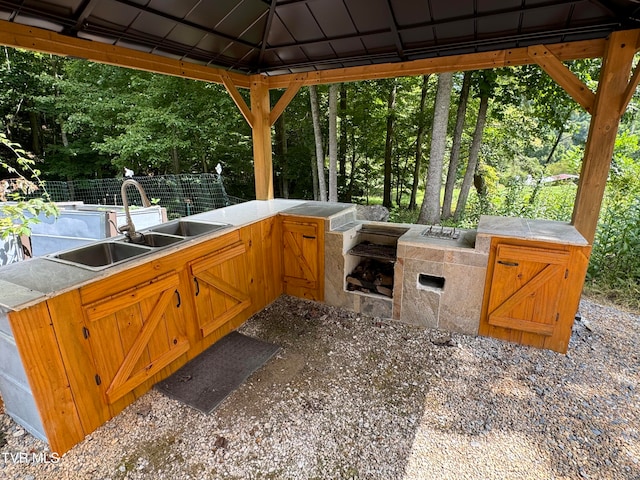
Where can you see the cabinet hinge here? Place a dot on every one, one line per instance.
(98, 379)
(85, 332)
(557, 316)
(566, 273)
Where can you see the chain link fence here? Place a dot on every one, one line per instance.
(182, 195)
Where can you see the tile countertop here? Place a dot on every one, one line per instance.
(543, 230)
(26, 283)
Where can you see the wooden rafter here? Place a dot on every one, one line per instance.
(563, 76)
(32, 38)
(454, 63)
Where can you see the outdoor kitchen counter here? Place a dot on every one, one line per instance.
(27, 283)
(524, 228)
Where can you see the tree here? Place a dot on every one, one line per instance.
(388, 149)
(342, 145)
(486, 87)
(422, 127)
(333, 142)
(430, 210)
(315, 115)
(454, 158)
(17, 212)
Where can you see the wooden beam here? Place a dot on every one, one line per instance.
(261, 131)
(454, 63)
(563, 76)
(284, 100)
(237, 98)
(631, 88)
(40, 40)
(612, 87)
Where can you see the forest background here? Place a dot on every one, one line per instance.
(433, 149)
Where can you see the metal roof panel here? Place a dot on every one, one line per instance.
(304, 35)
(369, 15)
(334, 21)
(299, 22)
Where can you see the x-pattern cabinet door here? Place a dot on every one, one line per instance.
(135, 334)
(526, 288)
(303, 258)
(221, 282)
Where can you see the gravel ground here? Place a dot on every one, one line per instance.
(352, 397)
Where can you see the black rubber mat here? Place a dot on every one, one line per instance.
(204, 382)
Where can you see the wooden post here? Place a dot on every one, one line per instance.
(261, 131)
(612, 87)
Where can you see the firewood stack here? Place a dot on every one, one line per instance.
(372, 276)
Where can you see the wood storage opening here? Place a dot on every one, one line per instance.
(374, 256)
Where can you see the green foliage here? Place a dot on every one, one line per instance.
(17, 213)
(615, 264)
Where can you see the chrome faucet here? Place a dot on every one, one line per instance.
(129, 229)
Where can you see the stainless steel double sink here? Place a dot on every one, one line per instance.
(97, 256)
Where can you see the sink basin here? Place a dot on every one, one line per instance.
(156, 239)
(188, 228)
(101, 255)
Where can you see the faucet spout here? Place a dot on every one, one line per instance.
(129, 228)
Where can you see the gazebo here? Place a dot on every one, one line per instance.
(262, 45)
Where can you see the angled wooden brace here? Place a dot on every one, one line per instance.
(631, 88)
(284, 100)
(563, 76)
(239, 101)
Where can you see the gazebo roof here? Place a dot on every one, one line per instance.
(294, 36)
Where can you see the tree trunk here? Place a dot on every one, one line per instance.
(388, 149)
(314, 177)
(205, 166)
(65, 144)
(454, 159)
(342, 145)
(36, 132)
(317, 133)
(474, 153)
(352, 171)
(538, 186)
(175, 160)
(430, 210)
(281, 154)
(419, 139)
(333, 142)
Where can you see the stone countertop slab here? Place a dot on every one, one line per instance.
(25, 282)
(247, 212)
(319, 209)
(542, 230)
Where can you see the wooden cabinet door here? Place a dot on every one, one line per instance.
(221, 282)
(135, 334)
(302, 259)
(526, 287)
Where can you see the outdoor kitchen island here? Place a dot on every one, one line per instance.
(91, 341)
(515, 279)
